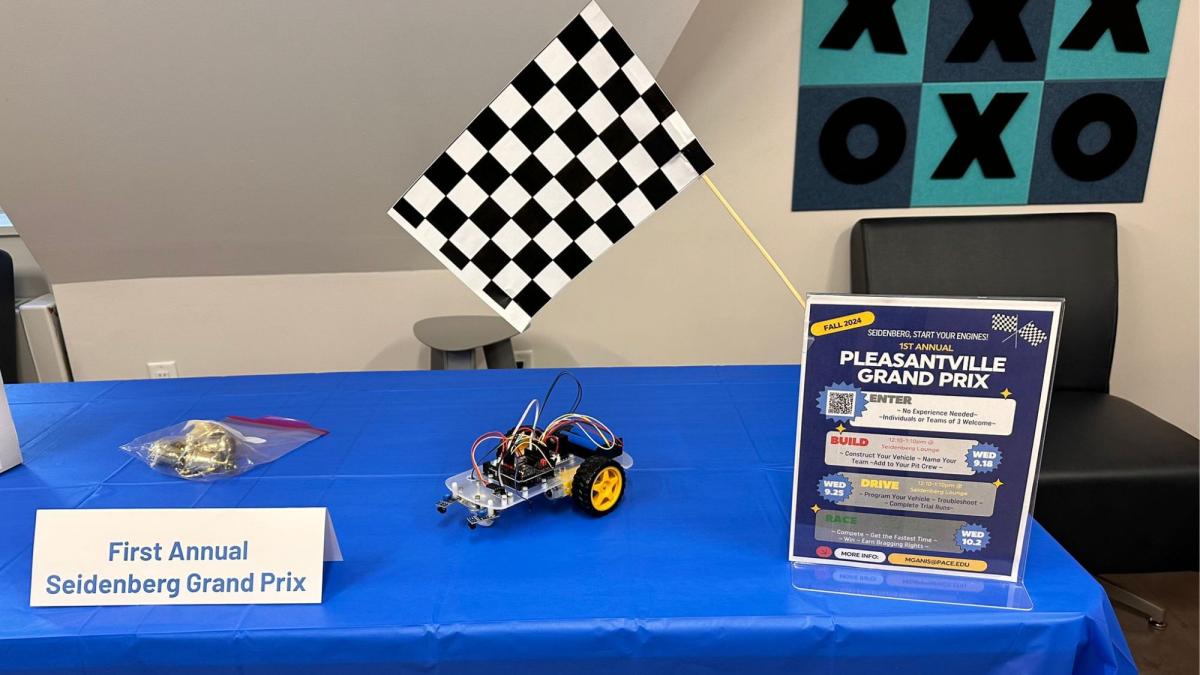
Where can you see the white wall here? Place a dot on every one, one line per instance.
(254, 324)
(684, 288)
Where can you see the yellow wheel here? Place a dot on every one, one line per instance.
(599, 485)
(607, 487)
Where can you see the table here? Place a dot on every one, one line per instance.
(689, 575)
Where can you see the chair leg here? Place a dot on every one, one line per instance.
(500, 355)
(443, 360)
(1155, 615)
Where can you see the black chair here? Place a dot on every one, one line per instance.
(1119, 486)
(8, 320)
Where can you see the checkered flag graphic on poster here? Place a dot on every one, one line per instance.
(1032, 334)
(1006, 323)
(578, 150)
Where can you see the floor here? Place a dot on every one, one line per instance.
(1175, 650)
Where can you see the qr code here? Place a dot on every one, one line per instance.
(839, 404)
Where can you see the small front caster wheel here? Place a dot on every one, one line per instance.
(598, 485)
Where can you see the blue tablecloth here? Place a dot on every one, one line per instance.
(690, 575)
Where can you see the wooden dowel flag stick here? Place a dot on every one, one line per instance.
(742, 224)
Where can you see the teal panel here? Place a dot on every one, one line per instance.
(1104, 62)
(862, 64)
(935, 135)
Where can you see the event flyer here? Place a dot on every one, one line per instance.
(919, 432)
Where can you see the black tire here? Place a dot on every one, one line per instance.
(585, 479)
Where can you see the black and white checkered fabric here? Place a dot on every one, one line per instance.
(1004, 322)
(1032, 334)
(567, 160)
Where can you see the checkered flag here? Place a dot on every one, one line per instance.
(1006, 323)
(1032, 334)
(567, 160)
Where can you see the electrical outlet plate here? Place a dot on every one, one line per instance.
(160, 370)
(524, 358)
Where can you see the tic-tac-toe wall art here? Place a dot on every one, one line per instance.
(959, 102)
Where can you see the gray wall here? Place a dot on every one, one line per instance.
(163, 138)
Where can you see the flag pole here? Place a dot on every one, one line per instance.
(746, 229)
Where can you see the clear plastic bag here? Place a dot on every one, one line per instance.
(208, 450)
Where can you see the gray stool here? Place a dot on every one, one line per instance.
(452, 341)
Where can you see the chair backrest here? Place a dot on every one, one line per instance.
(1067, 255)
(8, 319)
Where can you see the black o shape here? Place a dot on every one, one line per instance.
(1122, 137)
(889, 128)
